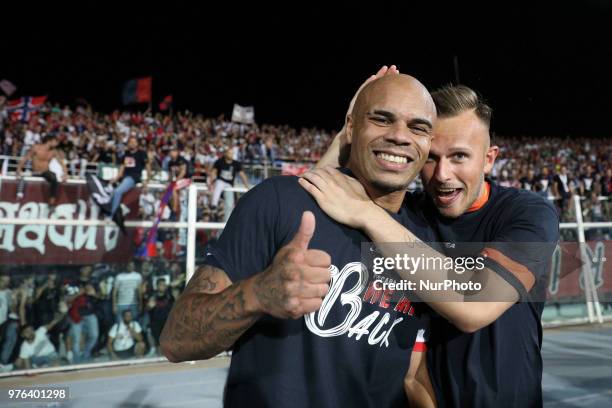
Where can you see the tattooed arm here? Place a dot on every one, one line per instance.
(208, 317)
(212, 313)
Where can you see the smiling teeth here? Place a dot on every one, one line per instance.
(393, 159)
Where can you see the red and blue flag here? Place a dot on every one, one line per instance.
(21, 109)
(137, 91)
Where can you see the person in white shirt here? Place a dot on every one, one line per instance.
(32, 136)
(125, 338)
(126, 292)
(36, 349)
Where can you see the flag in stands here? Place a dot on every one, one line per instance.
(166, 103)
(7, 87)
(243, 114)
(22, 108)
(137, 91)
(148, 248)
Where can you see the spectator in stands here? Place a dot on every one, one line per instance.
(9, 324)
(46, 300)
(545, 181)
(41, 156)
(504, 179)
(606, 183)
(223, 175)
(593, 210)
(561, 189)
(104, 153)
(83, 319)
(270, 150)
(32, 137)
(147, 203)
(587, 181)
(178, 278)
(126, 293)
(46, 305)
(25, 294)
(146, 291)
(36, 349)
(177, 169)
(146, 271)
(133, 163)
(8, 142)
(159, 305)
(528, 181)
(104, 311)
(125, 338)
(153, 160)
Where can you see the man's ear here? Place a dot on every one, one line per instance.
(490, 157)
(345, 145)
(349, 128)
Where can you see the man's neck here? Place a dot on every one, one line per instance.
(390, 201)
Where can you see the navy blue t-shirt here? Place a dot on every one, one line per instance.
(352, 352)
(499, 365)
(134, 163)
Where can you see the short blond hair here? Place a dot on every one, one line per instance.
(451, 100)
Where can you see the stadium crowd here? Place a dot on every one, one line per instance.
(101, 312)
(91, 137)
(552, 166)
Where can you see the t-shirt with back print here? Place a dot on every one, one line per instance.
(352, 352)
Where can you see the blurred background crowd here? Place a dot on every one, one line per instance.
(51, 316)
(554, 167)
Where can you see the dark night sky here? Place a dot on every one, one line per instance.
(545, 69)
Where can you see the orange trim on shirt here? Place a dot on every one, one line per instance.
(482, 200)
(518, 270)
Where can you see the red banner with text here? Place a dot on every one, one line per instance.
(61, 245)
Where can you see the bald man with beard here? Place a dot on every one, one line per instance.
(292, 297)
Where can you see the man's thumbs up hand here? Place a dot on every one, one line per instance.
(304, 234)
(298, 279)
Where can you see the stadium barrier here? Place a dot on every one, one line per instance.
(256, 172)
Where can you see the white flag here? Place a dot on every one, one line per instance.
(243, 114)
(7, 87)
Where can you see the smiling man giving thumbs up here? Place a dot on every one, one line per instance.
(285, 286)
